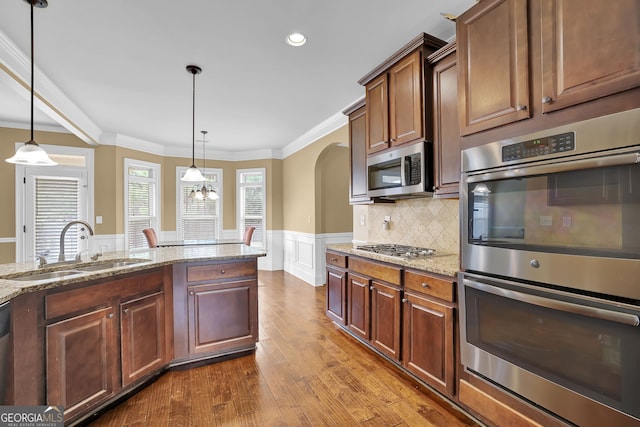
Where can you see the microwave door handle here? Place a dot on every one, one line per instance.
(563, 166)
(405, 169)
(584, 310)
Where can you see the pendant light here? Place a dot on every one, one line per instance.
(31, 153)
(207, 190)
(193, 174)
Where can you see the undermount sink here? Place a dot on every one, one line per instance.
(74, 269)
(34, 275)
(104, 265)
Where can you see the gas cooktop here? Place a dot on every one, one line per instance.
(398, 251)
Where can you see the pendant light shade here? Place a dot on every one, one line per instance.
(193, 174)
(207, 190)
(31, 153)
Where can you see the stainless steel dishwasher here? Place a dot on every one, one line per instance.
(4, 350)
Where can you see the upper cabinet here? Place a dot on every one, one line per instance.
(588, 52)
(521, 59)
(357, 153)
(493, 67)
(396, 94)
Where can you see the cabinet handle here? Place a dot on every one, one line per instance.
(125, 311)
(522, 107)
(547, 100)
(404, 300)
(110, 316)
(425, 285)
(334, 259)
(222, 272)
(190, 292)
(371, 287)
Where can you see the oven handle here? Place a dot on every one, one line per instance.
(599, 313)
(597, 162)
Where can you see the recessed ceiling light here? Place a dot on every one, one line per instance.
(296, 39)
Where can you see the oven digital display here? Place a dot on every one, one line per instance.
(539, 147)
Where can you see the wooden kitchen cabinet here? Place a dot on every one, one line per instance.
(215, 308)
(359, 306)
(493, 65)
(357, 153)
(396, 93)
(336, 287)
(521, 59)
(142, 332)
(446, 129)
(428, 330)
(385, 319)
(588, 52)
(89, 326)
(81, 361)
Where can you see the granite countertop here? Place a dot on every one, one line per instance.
(445, 264)
(149, 258)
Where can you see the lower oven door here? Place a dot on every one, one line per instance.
(576, 356)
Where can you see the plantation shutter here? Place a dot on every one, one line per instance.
(57, 202)
(141, 212)
(252, 209)
(200, 219)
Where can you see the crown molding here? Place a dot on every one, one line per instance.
(36, 126)
(334, 122)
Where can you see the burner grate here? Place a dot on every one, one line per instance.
(398, 251)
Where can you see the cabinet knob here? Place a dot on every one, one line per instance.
(222, 272)
(522, 107)
(547, 100)
(125, 311)
(404, 300)
(425, 285)
(110, 316)
(334, 259)
(371, 287)
(190, 292)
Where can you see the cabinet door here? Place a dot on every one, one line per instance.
(82, 361)
(337, 295)
(358, 152)
(223, 316)
(142, 336)
(588, 52)
(359, 301)
(446, 128)
(406, 112)
(493, 66)
(377, 116)
(385, 319)
(428, 341)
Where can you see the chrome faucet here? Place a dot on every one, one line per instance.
(64, 232)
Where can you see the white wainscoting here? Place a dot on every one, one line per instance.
(304, 254)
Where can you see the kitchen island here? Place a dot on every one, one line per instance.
(85, 334)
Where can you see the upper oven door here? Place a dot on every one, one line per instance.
(570, 223)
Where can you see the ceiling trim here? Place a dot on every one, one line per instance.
(49, 98)
(334, 122)
(36, 126)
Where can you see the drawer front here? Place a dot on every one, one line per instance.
(429, 285)
(336, 259)
(198, 273)
(378, 271)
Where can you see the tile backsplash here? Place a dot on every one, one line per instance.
(425, 222)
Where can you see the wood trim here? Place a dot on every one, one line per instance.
(375, 270)
(423, 39)
(442, 53)
(353, 107)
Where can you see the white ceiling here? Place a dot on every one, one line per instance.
(113, 71)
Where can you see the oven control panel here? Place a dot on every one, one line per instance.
(539, 146)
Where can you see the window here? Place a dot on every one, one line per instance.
(142, 200)
(199, 218)
(251, 203)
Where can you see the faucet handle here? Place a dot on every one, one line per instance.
(79, 254)
(42, 261)
(96, 256)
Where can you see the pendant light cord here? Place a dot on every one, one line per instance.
(32, 72)
(193, 124)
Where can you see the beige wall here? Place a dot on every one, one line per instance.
(333, 212)
(299, 183)
(109, 185)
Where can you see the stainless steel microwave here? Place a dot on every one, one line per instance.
(402, 172)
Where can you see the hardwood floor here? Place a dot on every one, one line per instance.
(305, 372)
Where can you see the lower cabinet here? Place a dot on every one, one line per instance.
(385, 319)
(88, 328)
(142, 334)
(336, 296)
(81, 361)
(215, 308)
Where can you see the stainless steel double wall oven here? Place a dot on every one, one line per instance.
(550, 292)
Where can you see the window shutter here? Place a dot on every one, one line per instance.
(56, 203)
(200, 220)
(252, 200)
(141, 211)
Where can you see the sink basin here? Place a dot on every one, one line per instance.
(44, 276)
(104, 265)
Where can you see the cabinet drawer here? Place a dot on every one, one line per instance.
(429, 285)
(336, 259)
(378, 271)
(197, 273)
